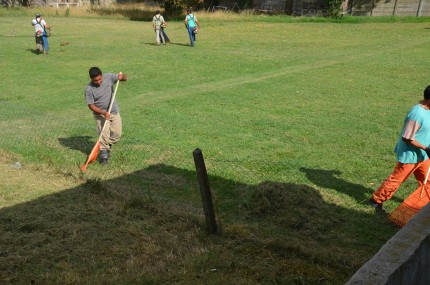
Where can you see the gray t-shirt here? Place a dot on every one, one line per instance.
(101, 95)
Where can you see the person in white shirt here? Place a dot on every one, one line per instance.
(157, 23)
(40, 27)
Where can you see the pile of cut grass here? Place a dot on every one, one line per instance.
(108, 232)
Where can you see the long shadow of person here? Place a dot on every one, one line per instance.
(330, 179)
(81, 143)
(170, 43)
(179, 44)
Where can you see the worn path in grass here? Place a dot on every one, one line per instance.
(168, 93)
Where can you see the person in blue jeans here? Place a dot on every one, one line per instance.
(191, 23)
(166, 38)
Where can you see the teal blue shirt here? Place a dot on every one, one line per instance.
(416, 127)
(190, 20)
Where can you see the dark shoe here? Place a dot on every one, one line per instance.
(104, 156)
(378, 207)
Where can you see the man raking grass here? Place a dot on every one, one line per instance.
(100, 97)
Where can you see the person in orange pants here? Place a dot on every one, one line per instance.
(412, 151)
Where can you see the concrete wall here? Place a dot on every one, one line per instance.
(274, 5)
(403, 260)
(356, 7)
(388, 7)
(75, 3)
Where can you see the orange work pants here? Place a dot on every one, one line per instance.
(401, 172)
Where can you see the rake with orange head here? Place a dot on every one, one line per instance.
(411, 206)
(95, 151)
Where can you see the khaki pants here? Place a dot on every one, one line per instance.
(158, 33)
(112, 131)
(401, 172)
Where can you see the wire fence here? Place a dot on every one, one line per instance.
(241, 184)
(161, 171)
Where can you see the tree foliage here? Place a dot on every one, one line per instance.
(23, 3)
(334, 8)
(174, 8)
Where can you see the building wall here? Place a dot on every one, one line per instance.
(387, 7)
(403, 260)
(72, 3)
(352, 7)
(272, 5)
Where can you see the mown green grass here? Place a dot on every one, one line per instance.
(296, 120)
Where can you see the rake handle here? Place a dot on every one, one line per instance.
(109, 109)
(424, 183)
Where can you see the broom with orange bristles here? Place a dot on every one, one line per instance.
(95, 151)
(411, 206)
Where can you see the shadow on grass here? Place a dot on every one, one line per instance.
(180, 44)
(82, 143)
(171, 43)
(147, 227)
(329, 179)
(34, 51)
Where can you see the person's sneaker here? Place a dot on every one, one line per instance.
(378, 207)
(104, 156)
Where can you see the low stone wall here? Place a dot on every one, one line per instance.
(403, 260)
(401, 8)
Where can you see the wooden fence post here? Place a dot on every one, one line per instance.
(420, 7)
(205, 191)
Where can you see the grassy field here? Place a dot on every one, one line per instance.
(297, 121)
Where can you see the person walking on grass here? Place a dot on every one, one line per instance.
(98, 94)
(163, 33)
(157, 23)
(40, 27)
(191, 23)
(413, 153)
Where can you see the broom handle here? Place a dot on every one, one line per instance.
(110, 108)
(425, 182)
